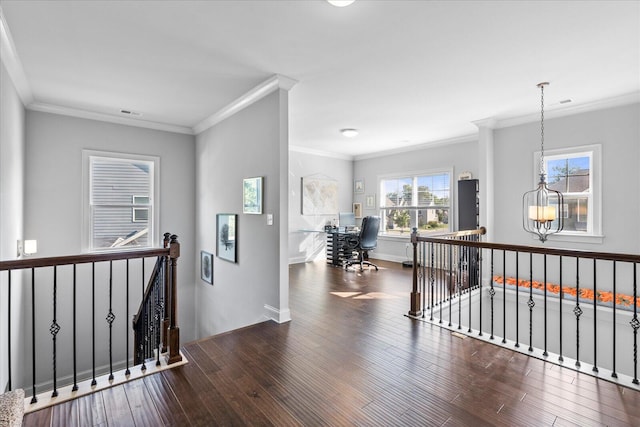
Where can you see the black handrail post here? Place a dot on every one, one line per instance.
(415, 292)
(174, 330)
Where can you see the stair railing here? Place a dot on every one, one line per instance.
(66, 297)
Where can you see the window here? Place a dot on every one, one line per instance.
(421, 200)
(575, 173)
(120, 201)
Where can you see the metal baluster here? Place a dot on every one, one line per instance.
(460, 282)
(449, 281)
(614, 374)
(504, 297)
(544, 258)
(470, 287)
(517, 345)
(442, 280)
(9, 330)
(432, 280)
(560, 358)
(595, 329)
(635, 324)
(531, 303)
(75, 355)
(54, 329)
(422, 268)
(480, 291)
(145, 325)
(34, 399)
(127, 372)
(492, 293)
(578, 312)
(110, 318)
(159, 312)
(93, 322)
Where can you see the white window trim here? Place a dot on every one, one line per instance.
(86, 196)
(452, 196)
(595, 235)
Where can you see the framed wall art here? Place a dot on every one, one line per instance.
(358, 186)
(252, 195)
(226, 236)
(370, 201)
(357, 210)
(206, 267)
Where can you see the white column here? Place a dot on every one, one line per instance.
(485, 175)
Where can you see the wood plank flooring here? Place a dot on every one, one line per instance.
(351, 357)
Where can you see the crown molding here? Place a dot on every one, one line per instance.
(91, 115)
(257, 93)
(12, 63)
(314, 152)
(409, 148)
(601, 104)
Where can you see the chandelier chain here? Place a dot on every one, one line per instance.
(542, 168)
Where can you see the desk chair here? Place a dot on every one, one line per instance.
(366, 241)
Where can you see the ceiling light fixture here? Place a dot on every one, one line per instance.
(349, 133)
(340, 3)
(539, 206)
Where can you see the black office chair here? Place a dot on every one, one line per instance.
(366, 241)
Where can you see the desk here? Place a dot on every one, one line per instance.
(336, 245)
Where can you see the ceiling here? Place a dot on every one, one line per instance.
(402, 72)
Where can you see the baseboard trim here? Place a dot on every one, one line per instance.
(278, 316)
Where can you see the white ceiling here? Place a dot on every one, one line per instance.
(402, 72)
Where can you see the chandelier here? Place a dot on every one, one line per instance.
(542, 208)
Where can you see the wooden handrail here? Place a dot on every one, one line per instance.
(81, 259)
(579, 253)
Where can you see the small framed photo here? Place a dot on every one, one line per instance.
(357, 210)
(358, 186)
(252, 195)
(226, 236)
(206, 267)
(370, 201)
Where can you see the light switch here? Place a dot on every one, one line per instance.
(269, 219)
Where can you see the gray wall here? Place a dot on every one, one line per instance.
(306, 246)
(12, 151)
(251, 143)
(53, 211)
(617, 130)
(460, 157)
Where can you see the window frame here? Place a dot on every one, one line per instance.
(87, 210)
(594, 221)
(414, 175)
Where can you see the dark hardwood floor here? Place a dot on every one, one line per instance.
(351, 357)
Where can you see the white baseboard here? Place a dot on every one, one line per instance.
(278, 316)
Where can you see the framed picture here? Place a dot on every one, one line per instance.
(226, 236)
(370, 201)
(358, 186)
(252, 195)
(357, 210)
(206, 267)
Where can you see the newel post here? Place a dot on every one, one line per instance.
(415, 294)
(174, 331)
(165, 319)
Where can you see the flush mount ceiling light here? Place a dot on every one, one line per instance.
(542, 208)
(340, 3)
(349, 133)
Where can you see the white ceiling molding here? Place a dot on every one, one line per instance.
(91, 115)
(263, 89)
(409, 148)
(11, 61)
(601, 104)
(320, 153)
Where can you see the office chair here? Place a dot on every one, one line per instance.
(366, 241)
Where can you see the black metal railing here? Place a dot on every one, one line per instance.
(569, 304)
(68, 297)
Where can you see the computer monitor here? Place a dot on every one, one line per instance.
(346, 220)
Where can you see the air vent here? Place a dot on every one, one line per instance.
(130, 113)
